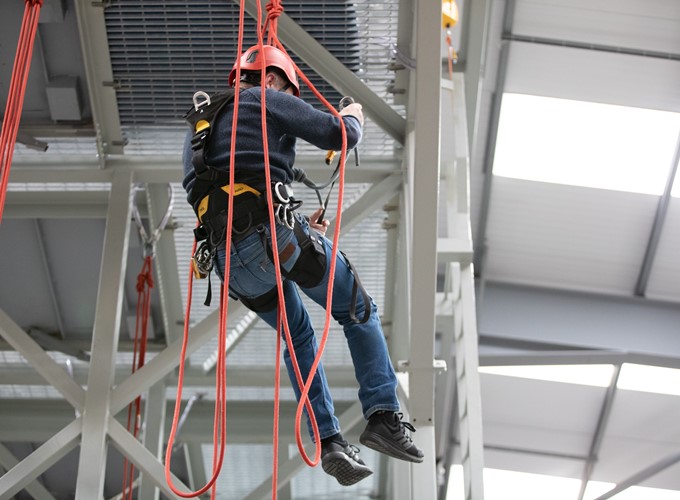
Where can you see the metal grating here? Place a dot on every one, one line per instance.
(162, 52)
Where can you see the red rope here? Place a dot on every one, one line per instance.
(17, 91)
(144, 286)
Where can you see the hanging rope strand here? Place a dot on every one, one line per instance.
(144, 285)
(17, 91)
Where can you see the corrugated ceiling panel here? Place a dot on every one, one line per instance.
(664, 280)
(642, 430)
(567, 237)
(539, 415)
(585, 75)
(653, 25)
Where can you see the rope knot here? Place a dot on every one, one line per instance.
(274, 9)
(144, 279)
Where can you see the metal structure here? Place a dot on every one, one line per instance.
(68, 253)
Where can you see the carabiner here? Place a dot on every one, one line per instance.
(206, 102)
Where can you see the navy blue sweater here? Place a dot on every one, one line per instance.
(288, 117)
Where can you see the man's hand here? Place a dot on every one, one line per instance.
(314, 225)
(355, 110)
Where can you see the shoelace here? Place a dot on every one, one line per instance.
(406, 425)
(352, 451)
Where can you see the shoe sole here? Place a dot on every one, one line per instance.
(344, 469)
(379, 443)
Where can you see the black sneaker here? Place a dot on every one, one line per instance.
(385, 433)
(341, 460)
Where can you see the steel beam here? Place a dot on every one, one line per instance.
(337, 74)
(239, 376)
(642, 475)
(164, 169)
(600, 429)
(103, 101)
(143, 459)
(154, 427)
(584, 357)
(193, 457)
(165, 264)
(35, 488)
(657, 226)
(53, 450)
(49, 343)
(379, 194)
(162, 364)
(41, 362)
(288, 469)
(234, 337)
(48, 273)
(92, 462)
(491, 138)
(475, 27)
(249, 421)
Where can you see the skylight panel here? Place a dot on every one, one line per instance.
(592, 375)
(650, 379)
(585, 144)
(503, 484)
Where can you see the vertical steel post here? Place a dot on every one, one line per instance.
(92, 461)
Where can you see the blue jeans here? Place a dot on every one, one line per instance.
(252, 274)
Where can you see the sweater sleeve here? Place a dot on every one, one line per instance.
(299, 119)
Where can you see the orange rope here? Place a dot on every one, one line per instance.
(17, 91)
(331, 279)
(274, 9)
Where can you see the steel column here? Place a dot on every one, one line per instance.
(92, 462)
(424, 214)
(469, 391)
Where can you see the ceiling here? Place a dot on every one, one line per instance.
(564, 274)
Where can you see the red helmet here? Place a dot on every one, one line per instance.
(251, 60)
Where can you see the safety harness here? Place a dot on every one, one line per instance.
(209, 197)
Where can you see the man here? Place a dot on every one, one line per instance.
(304, 254)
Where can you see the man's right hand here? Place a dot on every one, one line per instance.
(355, 110)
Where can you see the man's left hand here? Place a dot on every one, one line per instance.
(315, 225)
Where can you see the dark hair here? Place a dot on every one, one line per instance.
(253, 77)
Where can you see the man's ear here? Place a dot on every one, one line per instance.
(270, 80)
